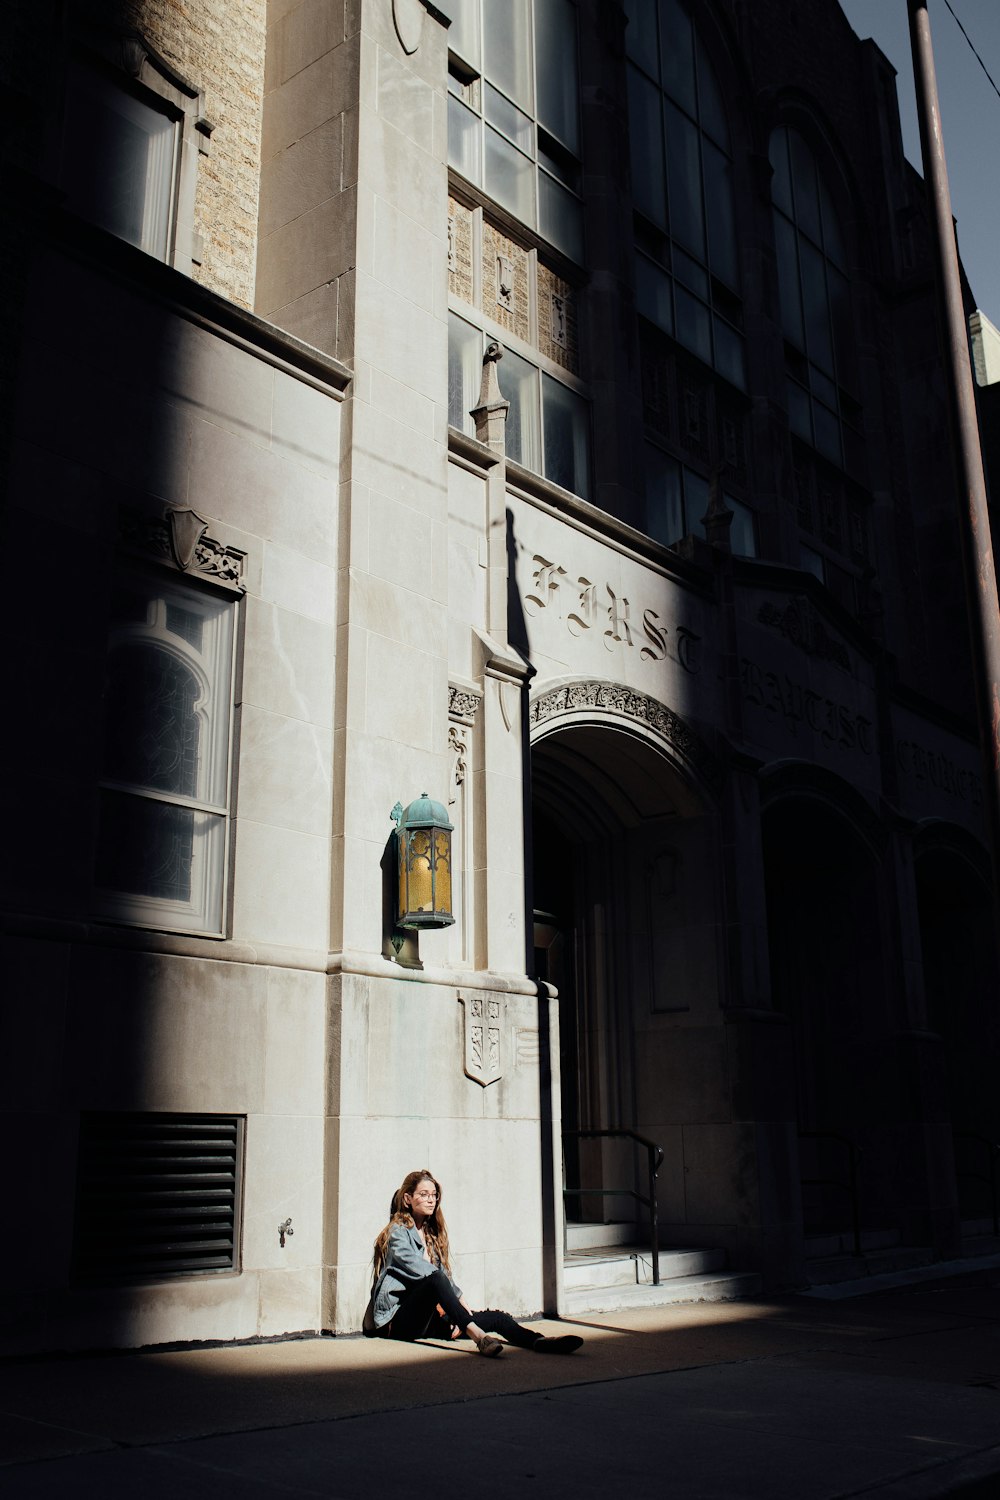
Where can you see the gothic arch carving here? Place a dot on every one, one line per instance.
(602, 701)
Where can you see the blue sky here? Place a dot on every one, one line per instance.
(970, 115)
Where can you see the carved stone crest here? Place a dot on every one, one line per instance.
(408, 18)
(483, 1030)
(180, 539)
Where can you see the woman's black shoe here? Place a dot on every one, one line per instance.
(563, 1343)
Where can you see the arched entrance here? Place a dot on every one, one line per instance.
(832, 978)
(962, 989)
(625, 889)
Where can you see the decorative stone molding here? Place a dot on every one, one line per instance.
(459, 746)
(483, 1029)
(613, 697)
(463, 704)
(180, 539)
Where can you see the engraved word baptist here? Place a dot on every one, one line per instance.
(585, 606)
(835, 723)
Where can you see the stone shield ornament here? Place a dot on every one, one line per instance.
(408, 18)
(483, 1030)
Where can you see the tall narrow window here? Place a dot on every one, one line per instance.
(820, 362)
(687, 271)
(161, 854)
(513, 112)
(119, 166)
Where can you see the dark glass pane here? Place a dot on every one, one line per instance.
(652, 294)
(151, 728)
(822, 386)
(742, 533)
(843, 330)
(819, 342)
(684, 180)
(690, 273)
(556, 70)
(799, 410)
(729, 354)
(522, 437)
(646, 144)
(693, 324)
(559, 216)
(695, 500)
(832, 242)
(804, 186)
(564, 428)
(677, 54)
(781, 182)
(145, 848)
(721, 218)
(811, 562)
(664, 501)
(827, 428)
(786, 247)
(640, 33)
(711, 114)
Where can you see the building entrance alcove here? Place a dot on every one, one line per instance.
(625, 896)
(962, 990)
(827, 932)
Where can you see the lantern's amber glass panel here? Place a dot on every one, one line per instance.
(420, 886)
(442, 864)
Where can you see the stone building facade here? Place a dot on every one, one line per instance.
(548, 418)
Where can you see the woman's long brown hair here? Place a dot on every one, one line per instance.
(435, 1230)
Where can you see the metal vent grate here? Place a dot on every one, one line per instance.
(157, 1195)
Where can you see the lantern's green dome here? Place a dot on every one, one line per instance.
(424, 812)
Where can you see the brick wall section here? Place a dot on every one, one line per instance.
(218, 47)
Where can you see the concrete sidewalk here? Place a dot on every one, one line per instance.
(893, 1395)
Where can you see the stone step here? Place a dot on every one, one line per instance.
(977, 1245)
(723, 1286)
(823, 1246)
(633, 1265)
(592, 1236)
(825, 1270)
(973, 1229)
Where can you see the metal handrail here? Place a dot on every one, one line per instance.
(991, 1177)
(854, 1154)
(654, 1161)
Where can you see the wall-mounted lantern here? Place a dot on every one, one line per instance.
(423, 845)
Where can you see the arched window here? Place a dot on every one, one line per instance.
(687, 271)
(820, 360)
(162, 841)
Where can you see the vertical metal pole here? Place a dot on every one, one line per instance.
(654, 1216)
(977, 545)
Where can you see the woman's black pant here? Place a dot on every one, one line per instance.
(417, 1316)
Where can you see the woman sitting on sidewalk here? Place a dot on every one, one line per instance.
(414, 1296)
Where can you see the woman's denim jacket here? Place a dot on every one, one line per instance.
(405, 1265)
